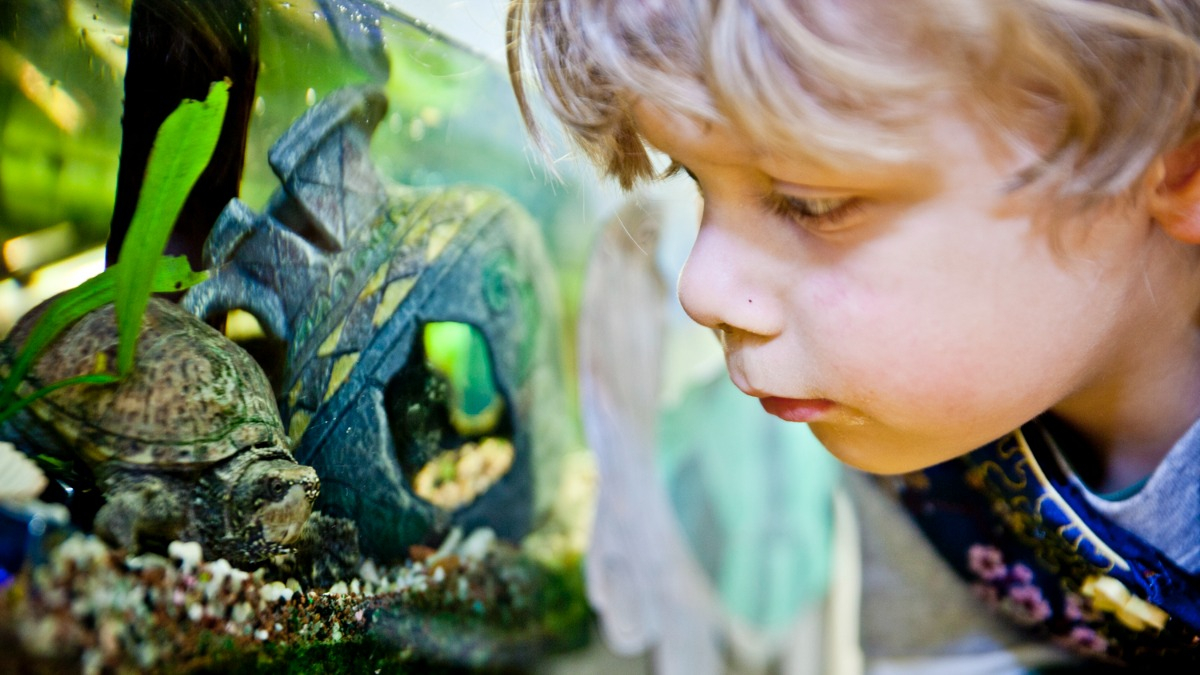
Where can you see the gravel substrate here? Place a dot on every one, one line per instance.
(474, 602)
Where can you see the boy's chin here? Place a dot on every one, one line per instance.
(882, 456)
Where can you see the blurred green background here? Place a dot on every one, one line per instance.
(452, 119)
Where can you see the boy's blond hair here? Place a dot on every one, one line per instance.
(1104, 85)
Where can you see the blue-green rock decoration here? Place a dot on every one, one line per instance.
(346, 268)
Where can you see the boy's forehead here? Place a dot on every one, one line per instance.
(689, 140)
(681, 136)
(686, 139)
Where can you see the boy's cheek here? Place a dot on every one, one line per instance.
(846, 308)
(910, 367)
(825, 293)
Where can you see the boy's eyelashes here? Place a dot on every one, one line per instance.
(826, 214)
(820, 214)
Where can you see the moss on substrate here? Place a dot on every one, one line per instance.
(345, 658)
(564, 596)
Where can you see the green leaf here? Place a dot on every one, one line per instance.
(56, 463)
(182, 149)
(170, 274)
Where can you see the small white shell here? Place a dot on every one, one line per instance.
(21, 480)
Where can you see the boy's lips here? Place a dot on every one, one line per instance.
(797, 409)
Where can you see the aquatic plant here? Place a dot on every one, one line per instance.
(183, 146)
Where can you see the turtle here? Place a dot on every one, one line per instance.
(345, 269)
(188, 446)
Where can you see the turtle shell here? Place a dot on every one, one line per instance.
(194, 397)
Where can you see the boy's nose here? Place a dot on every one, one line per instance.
(725, 285)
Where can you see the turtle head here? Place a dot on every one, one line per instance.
(272, 499)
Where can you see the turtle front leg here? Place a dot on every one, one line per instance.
(147, 513)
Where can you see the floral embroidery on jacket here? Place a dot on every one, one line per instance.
(1032, 549)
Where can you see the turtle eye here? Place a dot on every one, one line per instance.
(276, 487)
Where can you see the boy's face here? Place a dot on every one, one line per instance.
(913, 313)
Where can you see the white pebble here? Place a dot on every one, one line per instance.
(147, 655)
(135, 598)
(276, 591)
(81, 607)
(241, 612)
(92, 661)
(369, 572)
(476, 546)
(218, 571)
(220, 568)
(188, 553)
(449, 545)
(238, 576)
(40, 636)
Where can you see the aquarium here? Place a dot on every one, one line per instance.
(288, 301)
(313, 361)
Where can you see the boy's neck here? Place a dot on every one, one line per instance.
(1131, 422)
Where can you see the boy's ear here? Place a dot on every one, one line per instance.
(1173, 184)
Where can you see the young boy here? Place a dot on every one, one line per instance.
(958, 238)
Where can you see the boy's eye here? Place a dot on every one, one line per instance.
(820, 214)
